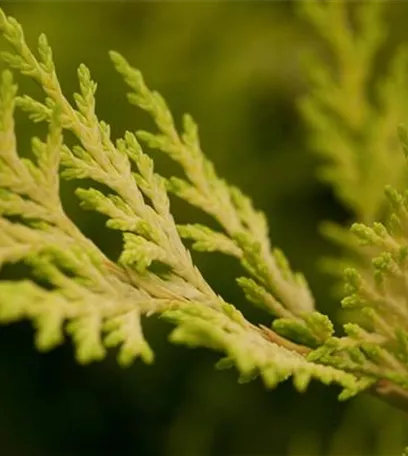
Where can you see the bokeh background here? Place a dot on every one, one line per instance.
(236, 67)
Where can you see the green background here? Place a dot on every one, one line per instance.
(236, 67)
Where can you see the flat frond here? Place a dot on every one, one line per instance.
(245, 230)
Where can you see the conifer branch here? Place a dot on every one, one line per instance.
(273, 285)
(87, 295)
(352, 116)
(76, 289)
(354, 134)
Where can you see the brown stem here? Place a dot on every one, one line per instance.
(279, 340)
(391, 393)
(384, 389)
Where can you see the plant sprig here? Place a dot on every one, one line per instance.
(89, 295)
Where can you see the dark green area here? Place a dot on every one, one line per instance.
(236, 67)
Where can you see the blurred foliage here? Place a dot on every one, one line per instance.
(236, 66)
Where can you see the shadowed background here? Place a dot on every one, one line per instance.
(236, 67)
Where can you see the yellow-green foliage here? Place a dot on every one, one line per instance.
(101, 301)
(74, 288)
(352, 117)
